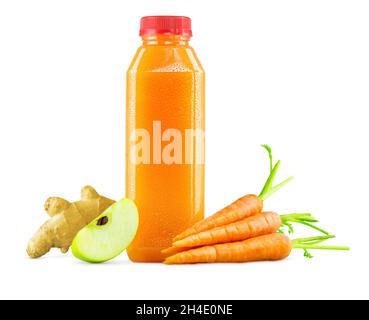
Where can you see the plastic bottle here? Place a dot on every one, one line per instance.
(165, 135)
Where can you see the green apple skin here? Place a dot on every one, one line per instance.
(100, 243)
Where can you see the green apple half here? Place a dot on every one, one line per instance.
(108, 235)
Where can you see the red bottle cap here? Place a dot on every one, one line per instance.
(170, 25)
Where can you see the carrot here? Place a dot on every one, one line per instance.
(264, 248)
(244, 207)
(241, 208)
(254, 226)
(268, 247)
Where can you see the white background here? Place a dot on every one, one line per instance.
(294, 74)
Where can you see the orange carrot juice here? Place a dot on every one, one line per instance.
(165, 135)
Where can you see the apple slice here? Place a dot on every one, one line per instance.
(108, 235)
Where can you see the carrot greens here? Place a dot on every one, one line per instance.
(269, 188)
(313, 243)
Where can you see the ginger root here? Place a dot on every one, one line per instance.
(66, 220)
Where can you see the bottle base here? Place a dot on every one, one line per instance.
(146, 255)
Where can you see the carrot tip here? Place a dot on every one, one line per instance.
(177, 244)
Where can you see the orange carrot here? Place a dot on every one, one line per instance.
(242, 208)
(268, 247)
(251, 227)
